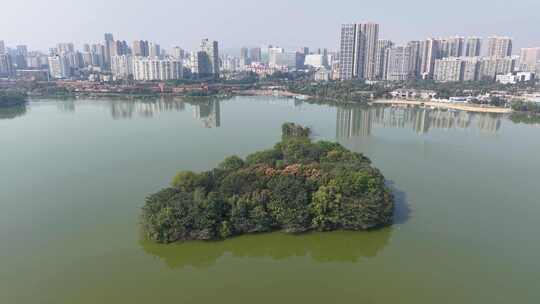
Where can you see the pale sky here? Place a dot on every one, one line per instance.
(234, 23)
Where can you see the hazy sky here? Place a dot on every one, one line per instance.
(289, 23)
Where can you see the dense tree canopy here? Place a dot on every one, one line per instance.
(297, 186)
(9, 99)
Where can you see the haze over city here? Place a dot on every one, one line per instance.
(285, 151)
(236, 23)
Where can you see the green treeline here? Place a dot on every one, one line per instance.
(297, 186)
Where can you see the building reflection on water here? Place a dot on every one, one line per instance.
(126, 109)
(209, 113)
(360, 121)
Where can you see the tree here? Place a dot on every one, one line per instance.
(297, 186)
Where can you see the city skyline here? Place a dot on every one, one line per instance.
(229, 23)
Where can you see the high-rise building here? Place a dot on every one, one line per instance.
(152, 68)
(211, 52)
(154, 50)
(108, 37)
(429, 52)
(415, 60)
(140, 48)
(451, 47)
(448, 70)
(2, 47)
(304, 50)
(255, 55)
(380, 58)
(399, 65)
(6, 66)
(471, 68)
(109, 40)
(64, 48)
(370, 33)
(59, 67)
(284, 59)
(473, 47)
(351, 57)
(178, 53)
(97, 52)
(122, 66)
(244, 57)
(499, 47)
(272, 53)
(21, 52)
(529, 60)
(119, 48)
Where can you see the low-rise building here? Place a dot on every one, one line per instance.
(414, 94)
(513, 78)
(322, 75)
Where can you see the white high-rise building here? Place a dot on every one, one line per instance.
(370, 33)
(448, 70)
(429, 52)
(349, 49)
(415, 62)
(151, 68)
(154, 50)
(399, 64)
(122, 66)
(499, 47)
(358, 51)
(380, 58)
(59, 67)
(273, 53)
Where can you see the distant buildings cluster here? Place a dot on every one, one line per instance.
(361, 55)
(111, 60)
(364, 56)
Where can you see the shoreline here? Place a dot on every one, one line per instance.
(280, 93)
(443, 105)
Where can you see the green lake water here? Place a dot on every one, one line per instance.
(74, 175)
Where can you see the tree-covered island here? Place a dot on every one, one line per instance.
(297, 186)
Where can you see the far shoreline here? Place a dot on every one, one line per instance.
(286, 94)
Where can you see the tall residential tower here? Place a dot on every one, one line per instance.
(499, 47)
(358, 51)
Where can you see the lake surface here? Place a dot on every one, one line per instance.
(74, 175)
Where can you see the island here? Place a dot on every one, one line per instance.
(295, 187)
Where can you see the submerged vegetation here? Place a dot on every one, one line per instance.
(297, 186)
